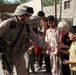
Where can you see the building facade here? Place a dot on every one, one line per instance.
(65, 10)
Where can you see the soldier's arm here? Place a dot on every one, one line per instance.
(34, 37)
(4, 27)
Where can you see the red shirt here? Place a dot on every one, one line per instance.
(38, 50)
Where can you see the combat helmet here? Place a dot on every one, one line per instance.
(23, 9)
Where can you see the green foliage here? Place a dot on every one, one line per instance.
(44, 2)
(20, 1)
(5, 2)
(49, 2)
(2, 1)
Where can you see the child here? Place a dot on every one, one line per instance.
(51, 39)
(71, 51)
(29, 57)
(43, 21)
(39, 51)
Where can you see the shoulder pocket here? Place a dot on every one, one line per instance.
(13, 25)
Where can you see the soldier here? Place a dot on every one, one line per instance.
(15, 32)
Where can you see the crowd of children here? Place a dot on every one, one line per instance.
(63, 40)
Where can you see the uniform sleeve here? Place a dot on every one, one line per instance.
(3, 27)
(34, 37)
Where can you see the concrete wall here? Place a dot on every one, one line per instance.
(66, 13)
(69, 14)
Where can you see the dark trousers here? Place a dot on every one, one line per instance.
(41, 59)
(47, 62)
(65, 69)
(33, 51)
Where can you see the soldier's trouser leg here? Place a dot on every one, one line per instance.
(5, 72)
(21, 66)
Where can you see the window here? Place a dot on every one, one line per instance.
(66, 4)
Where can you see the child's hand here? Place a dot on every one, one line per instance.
(56, 52)
(47, 52)
(66, 62)
(50, 48)
(58, 48)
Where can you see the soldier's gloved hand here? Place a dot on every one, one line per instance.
(50, 48)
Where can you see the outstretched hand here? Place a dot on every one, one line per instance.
(51, 49)
(66, 62)
(61, 45)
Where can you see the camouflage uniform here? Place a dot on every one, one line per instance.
(15, 55)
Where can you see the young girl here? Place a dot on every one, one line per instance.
(39, 52)
(51, 38)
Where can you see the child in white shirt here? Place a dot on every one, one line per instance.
(51, 38)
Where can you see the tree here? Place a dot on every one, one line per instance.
(20, 1)
(44, 2)
(2, 1)
(48, 2)
(5, 2)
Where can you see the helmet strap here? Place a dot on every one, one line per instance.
(21, 19)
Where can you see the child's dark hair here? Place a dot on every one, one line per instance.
(41, 13)
(51, 17)
(73, 29)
